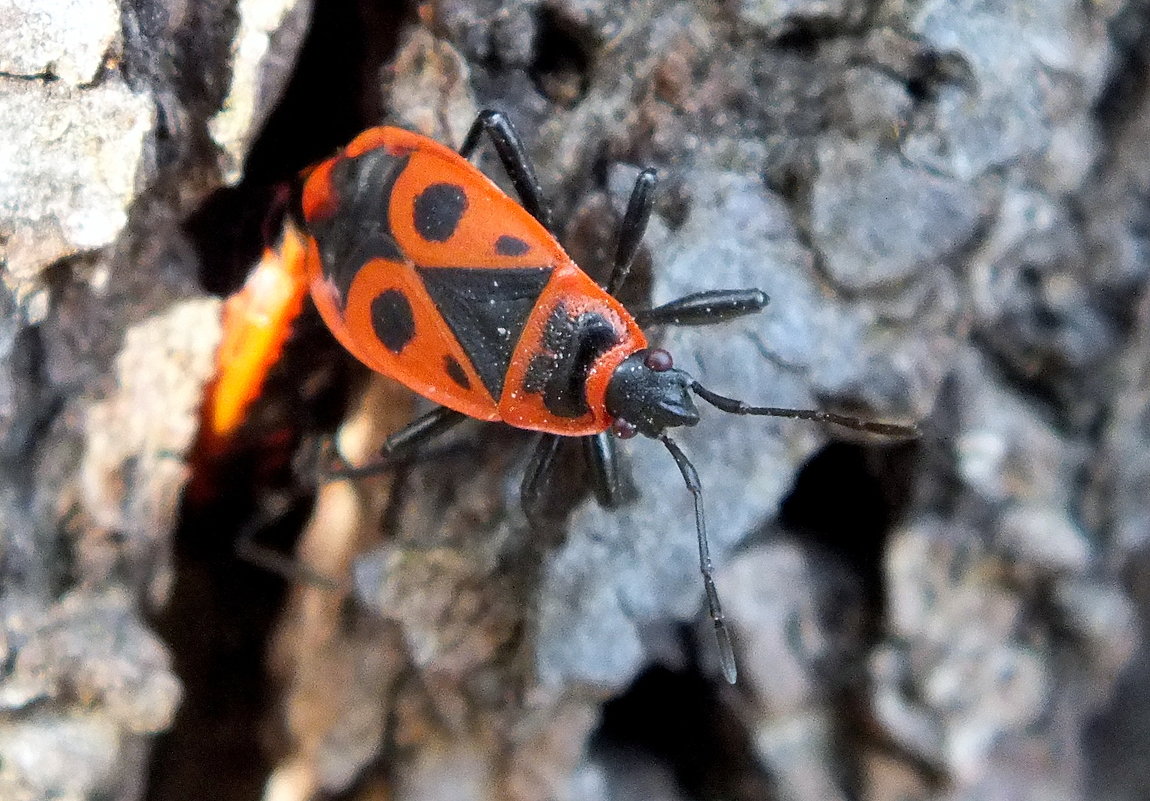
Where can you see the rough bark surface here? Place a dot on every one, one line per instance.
(946, 202)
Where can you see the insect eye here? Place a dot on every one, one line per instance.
(622, 429)
(659, 360)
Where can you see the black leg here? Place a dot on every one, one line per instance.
(705, 308)
(398, 446)
(537, 473)
(514, 157)
(633, 226)
(602, 460)
(253, 552)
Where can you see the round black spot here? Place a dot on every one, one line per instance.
(392, 319)
(455, 371)
(438, 210)
(511, 246)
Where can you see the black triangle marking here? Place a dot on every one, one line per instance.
(486, 310)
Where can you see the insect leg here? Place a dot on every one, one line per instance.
(602, 460)
(250, 550)
(513, 154)
(633, 226)
(705, 308)
(398, 446)
(535, 477)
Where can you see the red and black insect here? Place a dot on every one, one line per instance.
(427, 272)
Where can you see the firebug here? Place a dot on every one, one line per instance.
(429, 273)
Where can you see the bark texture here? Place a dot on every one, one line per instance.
(947, 203)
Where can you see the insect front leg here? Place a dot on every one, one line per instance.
(705, 308)
(633, 227)
(700, 308)
(603, 461)
(515, 160)
(536, 476)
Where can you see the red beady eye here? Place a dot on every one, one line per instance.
(659, 360)
(622, 429)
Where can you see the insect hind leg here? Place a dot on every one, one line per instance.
(247, 547)
(513, 154)
(397, 449)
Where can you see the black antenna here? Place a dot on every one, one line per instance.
(892, 430)
(722, 635)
